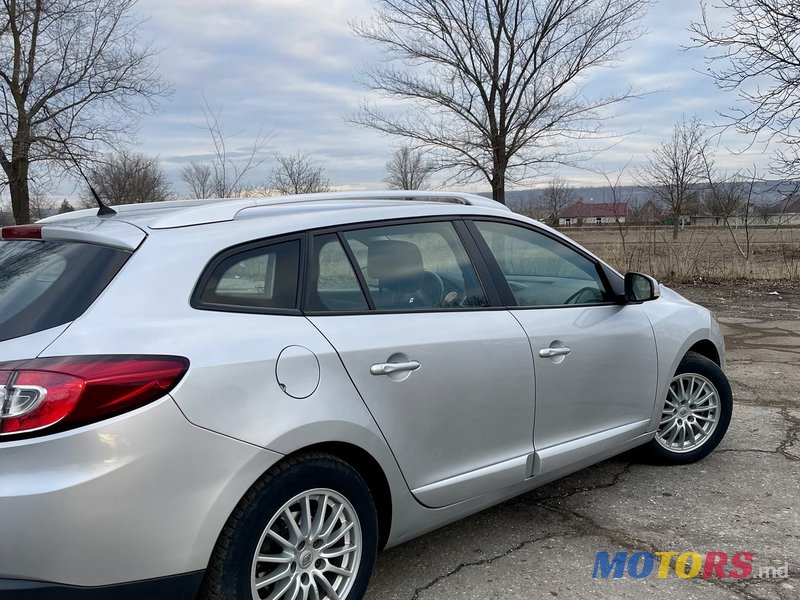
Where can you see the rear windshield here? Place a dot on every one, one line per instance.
(45, 284)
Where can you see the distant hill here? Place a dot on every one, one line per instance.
(764, 192)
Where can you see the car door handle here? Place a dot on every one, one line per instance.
(553, 352)
(395, 367)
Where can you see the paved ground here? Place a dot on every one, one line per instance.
(744, 497)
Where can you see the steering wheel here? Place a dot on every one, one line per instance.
(433, 286)
(574, 298)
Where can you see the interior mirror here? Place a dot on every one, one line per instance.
(640, 288)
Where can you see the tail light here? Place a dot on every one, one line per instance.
(46, 395)
(21, 232)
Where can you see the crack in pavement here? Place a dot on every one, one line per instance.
(589, 526)
(590, 488)
(791, 437)
(757, 399)
(486, 561)
(585, 526)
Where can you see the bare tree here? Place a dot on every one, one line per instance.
(620, 199)
(41, 205)
(297, 174)
(408, 169)
(128, 178)
(497, 88)
(227, 170)
(200, 179)
(73, 74)
(675, 169)
(731, 198)
(557, 196)
(756, 54)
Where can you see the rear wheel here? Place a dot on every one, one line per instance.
(307, 530)
(696, 413)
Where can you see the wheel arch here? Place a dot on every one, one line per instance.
(369, 468)
(707, 349)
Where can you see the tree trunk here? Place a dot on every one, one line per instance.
(498, 182)
(20, 193)
(499, 193)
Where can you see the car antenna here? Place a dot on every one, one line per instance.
(104, 210)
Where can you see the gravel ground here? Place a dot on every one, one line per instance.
(745, 497)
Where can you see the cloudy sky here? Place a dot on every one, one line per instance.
(289, 66)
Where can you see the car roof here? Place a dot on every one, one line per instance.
(132, 222)
(185, 213)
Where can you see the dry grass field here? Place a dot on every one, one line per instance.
(700, 254)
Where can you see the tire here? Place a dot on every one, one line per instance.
(304, 557)
(696, 413)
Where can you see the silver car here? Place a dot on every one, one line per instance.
(250, 398)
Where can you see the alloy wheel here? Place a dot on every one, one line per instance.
(691, 413)
(310, 550)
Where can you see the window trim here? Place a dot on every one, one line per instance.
(499, 279)
(196, 302)
(313, 278)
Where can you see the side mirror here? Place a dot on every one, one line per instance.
(640, 288)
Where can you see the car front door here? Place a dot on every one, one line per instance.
(595, 359)
(448, 379)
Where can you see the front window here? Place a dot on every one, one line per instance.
(540, 270)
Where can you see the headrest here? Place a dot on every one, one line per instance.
(396, 264)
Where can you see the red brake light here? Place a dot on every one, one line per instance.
(66, 392)
(21, 232)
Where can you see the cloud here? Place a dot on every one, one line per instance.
(289, 66)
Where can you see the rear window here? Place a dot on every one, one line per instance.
(46, 284)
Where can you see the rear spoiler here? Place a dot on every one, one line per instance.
(101, 232)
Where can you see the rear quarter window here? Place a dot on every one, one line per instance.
(46, 284)
(259, 279)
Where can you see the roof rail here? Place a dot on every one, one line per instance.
(227, 210)
(414, 195)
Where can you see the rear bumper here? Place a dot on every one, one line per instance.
(139, 497)
(178, 587)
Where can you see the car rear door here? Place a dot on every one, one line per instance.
(448, 379)
(595, 360)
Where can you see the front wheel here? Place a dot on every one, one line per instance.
(308, 529)
(696, 413)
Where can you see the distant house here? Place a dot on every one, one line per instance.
(785, 212)
(647, 214)
(593, 213)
